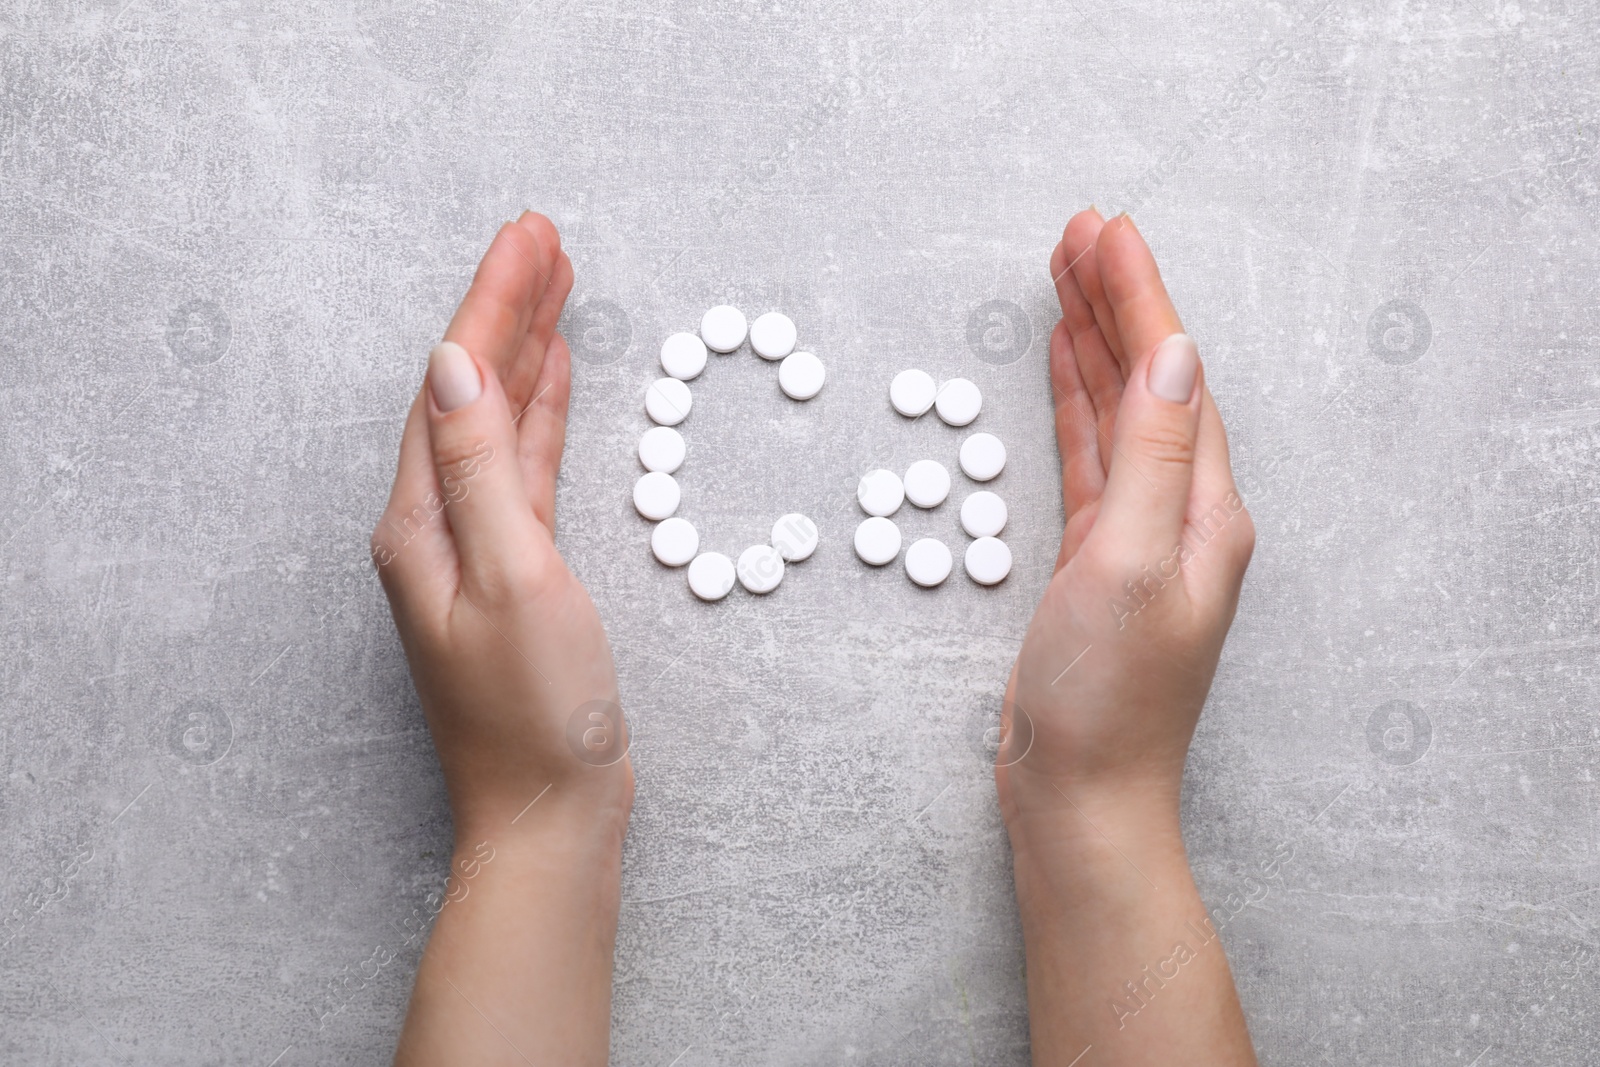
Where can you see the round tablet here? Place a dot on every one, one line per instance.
(683, 356)
(988, 561)
(983, 514)
(881, 493)
(662, 449)
(927, 483)
(656, 495)
(667, 401)
(877, 540)
(912, 392)
(795, 537)
(675, 542)
(959, 402)
(982, 456)
(801, 375)
(723, 328)
(772, 335)
(760, 568)
(711, 576)
(928, 562)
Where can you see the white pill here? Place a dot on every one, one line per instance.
(795, 537)
(877, 540)
(656, 495)
(801, 375)
(662, 449)
(959, 402)
(675, 542)
(988, 561)
(683, 356)
(927, 483)
(982, 456)
(912, 392)
(983, 514)
(723, 328)
(760, 568)
(881, 493)
(711, 576)
(772, 335)
(928, 562)
(667, 401)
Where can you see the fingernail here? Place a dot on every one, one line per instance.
(1173, 368)
(453, 376)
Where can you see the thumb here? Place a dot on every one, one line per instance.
(475, 454)
(1152, 464)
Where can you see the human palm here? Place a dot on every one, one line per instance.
(1119, 656)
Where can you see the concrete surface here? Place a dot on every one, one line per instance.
(232, 230)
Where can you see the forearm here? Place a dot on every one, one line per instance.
(1123, 964)
(518, 968)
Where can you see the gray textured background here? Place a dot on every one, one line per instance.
(231, 232)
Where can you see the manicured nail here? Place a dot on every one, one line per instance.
(1174, 367)
(453, 376)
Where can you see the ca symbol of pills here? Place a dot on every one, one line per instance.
(926, 483)
(662, 451)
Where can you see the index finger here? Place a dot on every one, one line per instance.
(1139, 301)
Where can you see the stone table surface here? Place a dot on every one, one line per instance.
(232, 231)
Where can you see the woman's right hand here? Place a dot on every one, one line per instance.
(1121, 651)
(1124, 966)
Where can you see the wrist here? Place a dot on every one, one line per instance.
(569, 818)
(1088, 833)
